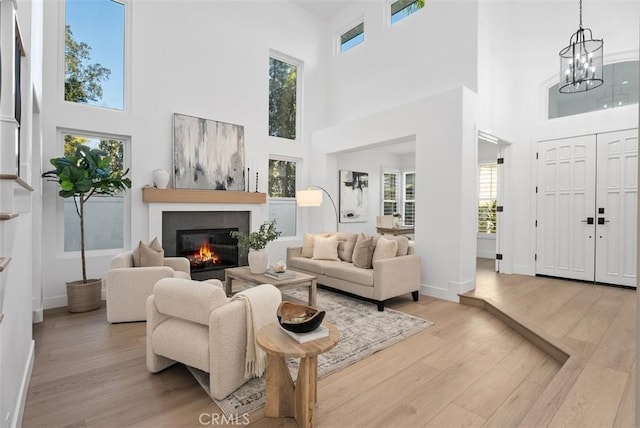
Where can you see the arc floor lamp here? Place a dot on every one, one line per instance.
(312, 197)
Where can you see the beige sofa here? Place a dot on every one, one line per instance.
(194, 323)
(389, 277)
(128, 287)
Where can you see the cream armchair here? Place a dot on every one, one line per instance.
(195, 324)
(128, 287)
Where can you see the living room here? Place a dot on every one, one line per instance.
(432, 80)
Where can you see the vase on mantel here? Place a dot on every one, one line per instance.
(258, 261)
(161, 178)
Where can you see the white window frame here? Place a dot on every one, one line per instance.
(405, 200)
(126, 238)
(299, 92)
(126, 61)
(398, 186)
(486, 235)
(346, 29)
(285, 201)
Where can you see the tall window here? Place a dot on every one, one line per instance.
(402, 8)
(352, 38)
(282, 194)
(487, 198)
(94, 52)
(390, 192)
(409, 199)
(104, 215)
(283, 97)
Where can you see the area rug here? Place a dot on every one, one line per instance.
(363, 331)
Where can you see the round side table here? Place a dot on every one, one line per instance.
(284, 398)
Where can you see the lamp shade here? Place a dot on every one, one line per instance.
(309, 198)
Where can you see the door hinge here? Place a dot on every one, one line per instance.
(535, 257)
(498, 256)
(536, 155)
(536, 189)
(500, 161)
(536, 223)
(500, 208)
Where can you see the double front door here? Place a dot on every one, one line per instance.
(587, 208)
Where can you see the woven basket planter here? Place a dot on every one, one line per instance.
(84, 297)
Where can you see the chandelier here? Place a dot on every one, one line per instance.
(581, 62)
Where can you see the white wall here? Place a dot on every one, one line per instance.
(518, 60)
(206, 59)
(426, 53)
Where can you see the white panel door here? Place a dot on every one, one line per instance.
(617, 193)
(566, 202)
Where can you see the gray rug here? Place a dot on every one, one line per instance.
(363, 331)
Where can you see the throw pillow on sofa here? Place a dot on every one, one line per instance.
(307, 246)
(325, 248)
(346, 244)
(385, 249)
(146, 255)
(363, 251)
(403, 244)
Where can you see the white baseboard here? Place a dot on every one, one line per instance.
(462, 287)
(439, 293)
(18, 412)
(524, 270)
(54, 302)
(37, 316)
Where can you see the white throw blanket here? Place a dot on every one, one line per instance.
(261, 304)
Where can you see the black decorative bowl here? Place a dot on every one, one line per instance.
(299, 318)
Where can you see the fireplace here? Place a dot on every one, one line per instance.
(184, 232)
(208, 249)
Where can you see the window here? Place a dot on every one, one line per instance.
(402, 8)
(620, 89)
(282, 194)
(283, 97)
(94, 53)
(409, 200)
(105, 215)
(352, 38)
(487, 198)
(390, 192)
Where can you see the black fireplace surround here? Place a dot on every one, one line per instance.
(185, 233)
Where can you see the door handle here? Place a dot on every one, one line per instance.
(601, 220)
(589, 220)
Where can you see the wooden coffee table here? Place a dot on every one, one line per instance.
(284, 398)
(243, 273)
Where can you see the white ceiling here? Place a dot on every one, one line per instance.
(324, 9)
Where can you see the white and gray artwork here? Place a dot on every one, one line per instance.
(207, 154)
(354, 196)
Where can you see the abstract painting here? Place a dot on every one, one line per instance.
(207, 154)
(354, 196)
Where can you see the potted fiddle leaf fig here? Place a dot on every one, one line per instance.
(255, 243)
(82, 174)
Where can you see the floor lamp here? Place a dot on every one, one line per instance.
(312, 197)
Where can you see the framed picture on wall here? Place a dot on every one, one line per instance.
(354, 196)
(207, 154)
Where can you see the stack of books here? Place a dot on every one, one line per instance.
(316, 334)
(279, 275)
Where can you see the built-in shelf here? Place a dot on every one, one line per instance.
(4, 262)
(18, 180)
(151, 194)
(7, 216)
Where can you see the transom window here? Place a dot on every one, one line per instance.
(400, 9)
(620, 89)
(284, 89)
(94, 52)
(104, 215)
(352, 38)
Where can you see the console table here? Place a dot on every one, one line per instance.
(396, 230)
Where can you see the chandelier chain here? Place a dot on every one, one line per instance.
(580, 13)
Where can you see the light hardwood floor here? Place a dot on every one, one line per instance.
(468, 369)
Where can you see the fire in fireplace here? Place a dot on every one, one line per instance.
(208, 249)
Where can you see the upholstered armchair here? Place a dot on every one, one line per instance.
(128, 287)
(195, 324)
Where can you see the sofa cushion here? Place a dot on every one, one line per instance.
(308, 265)
(146, 255)
(348, 272)
(186, 299)
(385, 249)
(346, 244)
(307, 246)
(325, 248)
(363, 251)
(403, 244)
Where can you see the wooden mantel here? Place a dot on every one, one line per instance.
(151, 194)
